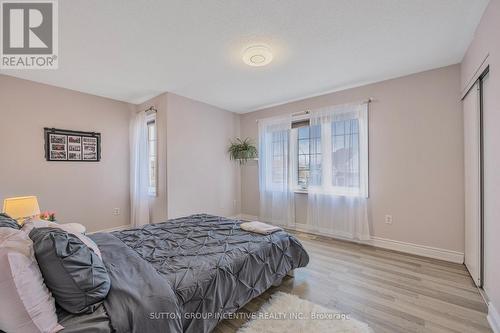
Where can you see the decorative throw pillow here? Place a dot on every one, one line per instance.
(28, 226)
(74, 274)
(26, 304)
(7, 222)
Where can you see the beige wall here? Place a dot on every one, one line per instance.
(416, 156)
(80, 192)
(201, 178)
(486, 41)
(195, 173)
(196, 167)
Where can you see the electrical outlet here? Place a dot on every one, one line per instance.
(388, 219)
(116, 211)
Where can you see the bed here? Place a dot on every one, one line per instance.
(185, 275)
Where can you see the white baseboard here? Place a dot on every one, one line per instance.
(493, 318)
(389, 244)
(420, 250)
(121, 227)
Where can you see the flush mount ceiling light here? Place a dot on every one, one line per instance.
(257, 55)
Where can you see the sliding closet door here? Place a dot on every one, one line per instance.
(472, 155)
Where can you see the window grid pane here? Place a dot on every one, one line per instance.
(309, 156)
(345, 153)
(152, 148)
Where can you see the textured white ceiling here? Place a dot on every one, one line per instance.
(133, 50)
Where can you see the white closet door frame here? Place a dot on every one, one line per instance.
(473, 167)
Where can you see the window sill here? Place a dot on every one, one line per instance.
(300, 191)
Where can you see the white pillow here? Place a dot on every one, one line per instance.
(26, 305)
(74, 228)
(10, 238)
(28, 226)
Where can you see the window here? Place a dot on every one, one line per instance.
(308, 156)
(345, 153)
(152, 154)
(344, 169)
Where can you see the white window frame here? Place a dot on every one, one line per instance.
(152, 189)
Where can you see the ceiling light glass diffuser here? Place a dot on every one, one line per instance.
(257, 55)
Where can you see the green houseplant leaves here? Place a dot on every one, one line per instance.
(242, 150)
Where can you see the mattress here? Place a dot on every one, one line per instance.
(213, 266)
(185, 275)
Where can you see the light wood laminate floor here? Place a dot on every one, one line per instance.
(391, 291)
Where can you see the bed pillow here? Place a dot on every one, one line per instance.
(7, 222)
(74, 274)
(28, 226)
(26, 304)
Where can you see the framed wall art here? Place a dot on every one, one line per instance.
(72, 146)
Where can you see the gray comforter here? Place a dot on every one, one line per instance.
(184, 275)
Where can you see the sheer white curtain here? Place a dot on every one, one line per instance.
(139, 172)
(276, 196)
(337, 198)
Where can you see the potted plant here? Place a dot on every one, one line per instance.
(242, 150)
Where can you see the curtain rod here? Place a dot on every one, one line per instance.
(150, 109)
(306, 112)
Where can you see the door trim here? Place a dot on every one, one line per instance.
(479, 80)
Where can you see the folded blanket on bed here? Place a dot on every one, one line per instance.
(259, 227)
